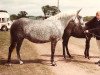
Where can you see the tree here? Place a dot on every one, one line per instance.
(45, 10)
(22, 14)
(3, 11)
(88, 18)
(54, 10)
(50, 10)
(13, 17)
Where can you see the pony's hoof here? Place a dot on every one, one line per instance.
(88, 58)
(85, 56)
(20, 62)
(65, 58)
(8, 64)
(71, 57)
(53, 64)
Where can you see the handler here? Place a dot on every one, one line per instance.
(98, 38)
(96, 24)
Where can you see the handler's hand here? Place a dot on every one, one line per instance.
(86, 31)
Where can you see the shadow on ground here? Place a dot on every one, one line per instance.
(76, 59)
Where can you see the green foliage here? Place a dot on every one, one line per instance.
(3, 11)
(13, 17)
(19, 15)
(22, 14)
(88, 18)
(50, 10)
(32, 17)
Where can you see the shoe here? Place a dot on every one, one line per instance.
(98, 62)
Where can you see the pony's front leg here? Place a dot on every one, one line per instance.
(64, 54)
(53, 45)
(65, 43)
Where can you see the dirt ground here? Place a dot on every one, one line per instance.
(36, 58)
(76, 66)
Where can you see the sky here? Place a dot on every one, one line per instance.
(33, 7)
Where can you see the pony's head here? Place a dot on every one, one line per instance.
(77, 19)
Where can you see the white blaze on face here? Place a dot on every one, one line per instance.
(81, 20)
(75, 19)
(98, 44)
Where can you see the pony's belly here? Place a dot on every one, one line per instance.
(42, 40)
(34, 40)
(79, 36)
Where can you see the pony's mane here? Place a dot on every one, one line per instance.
(62, 15)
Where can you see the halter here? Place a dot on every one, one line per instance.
(77, 18)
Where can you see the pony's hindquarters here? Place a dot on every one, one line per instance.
(16, 34)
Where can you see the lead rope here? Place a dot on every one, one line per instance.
(93, 33)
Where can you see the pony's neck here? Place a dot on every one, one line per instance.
(66, 20)
(63, 17)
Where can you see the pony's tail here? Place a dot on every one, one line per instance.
(12, 36)
(12, 40)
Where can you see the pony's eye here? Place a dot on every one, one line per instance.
(79, 17)
(72, 20)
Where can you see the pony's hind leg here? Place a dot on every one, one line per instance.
(18, 46)
(53, 45)
(12, 46)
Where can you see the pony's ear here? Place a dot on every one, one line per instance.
(79, 11)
